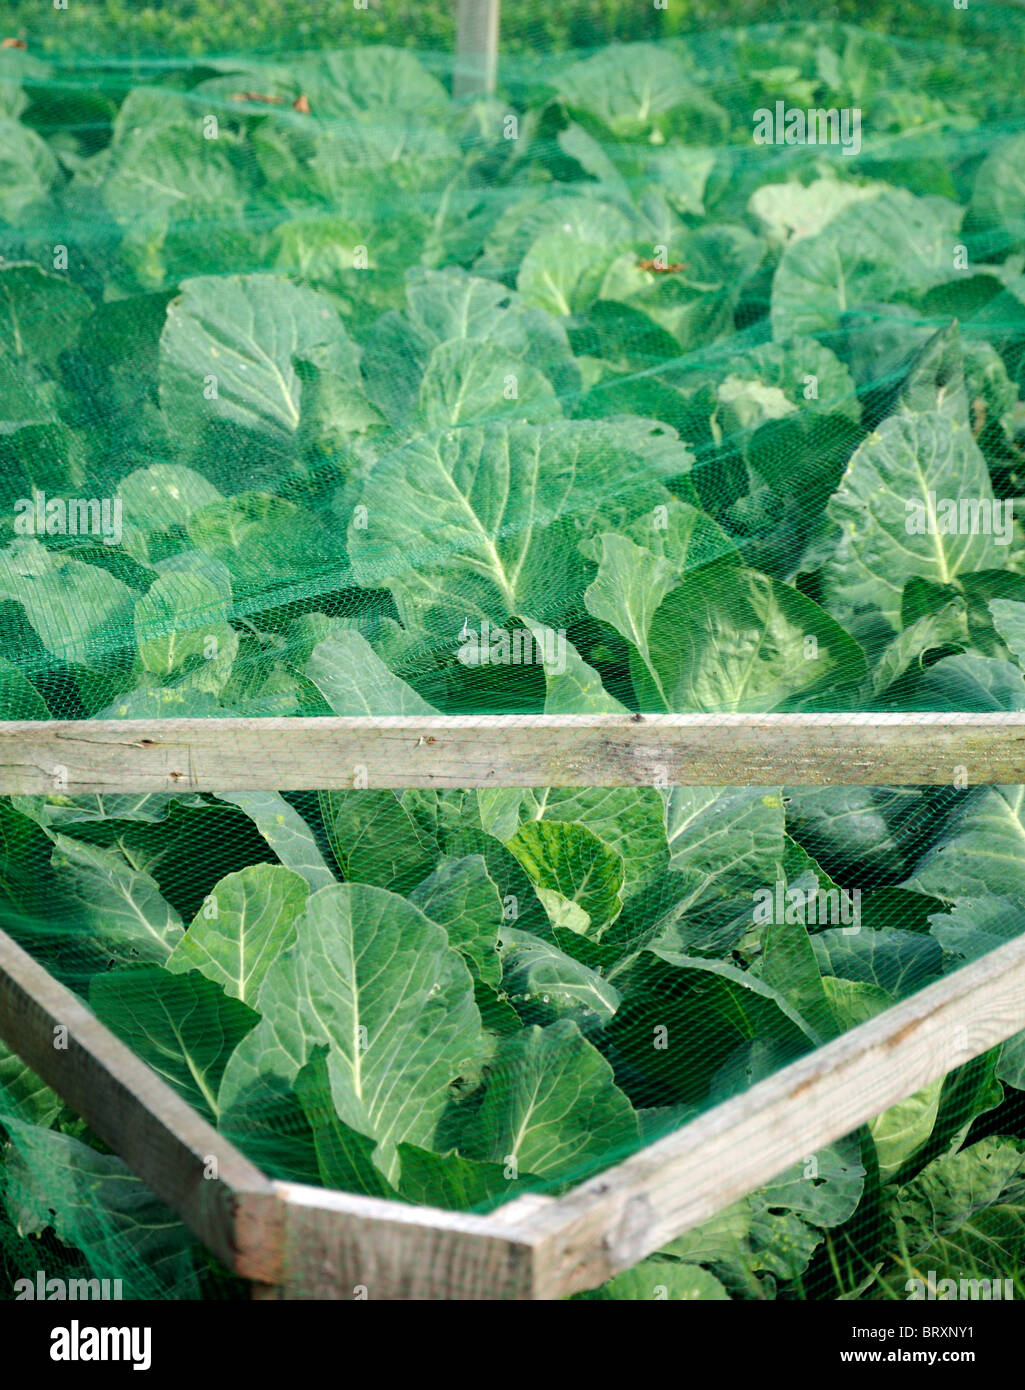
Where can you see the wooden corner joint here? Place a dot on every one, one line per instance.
(258, 1235)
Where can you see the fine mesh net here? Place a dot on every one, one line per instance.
(512, 991)
(681, 375)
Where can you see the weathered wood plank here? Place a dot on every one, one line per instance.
(608, 1224)
(277, 754)
(476, 57)
(339, 1246)
(236, 1213)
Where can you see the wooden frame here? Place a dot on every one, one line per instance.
(294, 1241)
(533, 750)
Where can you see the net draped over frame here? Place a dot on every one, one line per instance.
(683, 374)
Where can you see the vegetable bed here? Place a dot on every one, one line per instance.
(323, 393)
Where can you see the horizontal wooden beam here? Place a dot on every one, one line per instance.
(195, 1170)
(605, 750)
(609, 1223)
(342, 1246)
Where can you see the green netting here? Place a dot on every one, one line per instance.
(325, 391)
(511, 991)
(737, 421)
